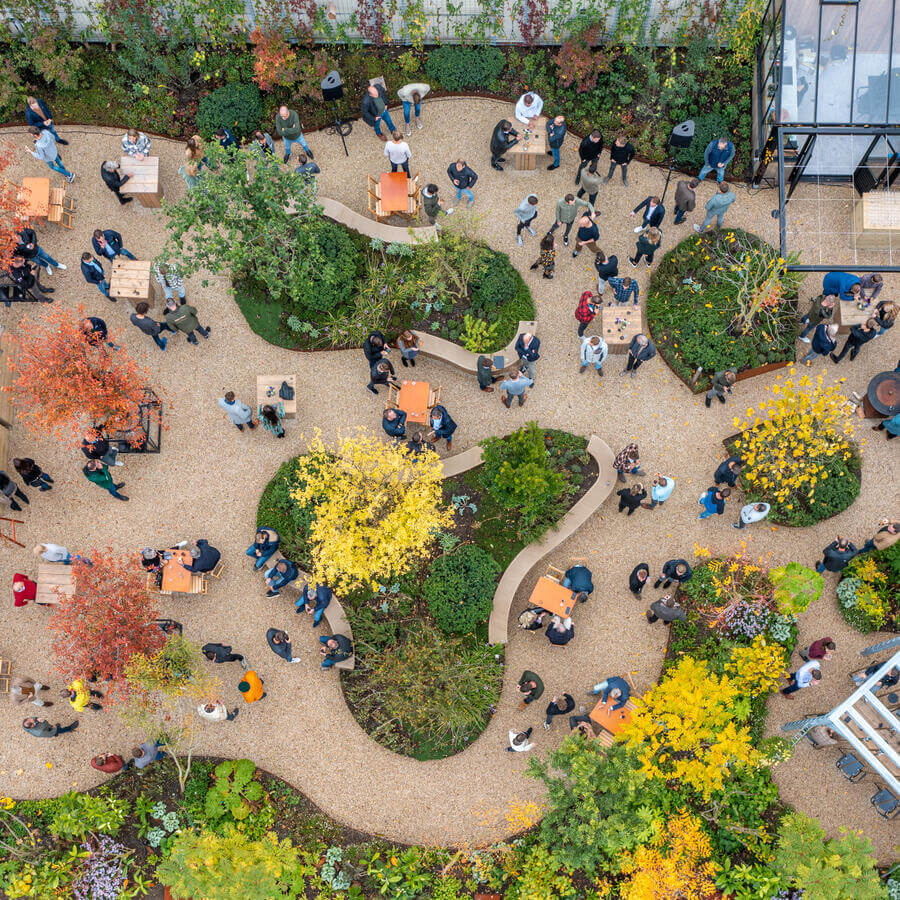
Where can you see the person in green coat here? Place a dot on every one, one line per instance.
(98, 472)
(289, 129)
(184, 318)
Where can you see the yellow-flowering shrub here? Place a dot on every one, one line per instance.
(676, 863)
(797, 451)
(756, 669)
(376, 509)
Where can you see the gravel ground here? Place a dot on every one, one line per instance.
(207, 481)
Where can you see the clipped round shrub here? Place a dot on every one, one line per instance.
(459, 589)
(706, 128)
(237, 107)
(495, 282)
(336, 277)
(465, 67)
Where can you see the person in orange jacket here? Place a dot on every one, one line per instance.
(251, 687)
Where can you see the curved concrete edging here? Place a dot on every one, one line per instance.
(462, 359)
(525, 560)
(369, 227)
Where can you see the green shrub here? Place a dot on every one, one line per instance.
(796, 586)
(459, 589)
(869, 591)
(706, 128)
(233, 790)
(291, 520)
(331, 286)
(237, 107)
(78, 815)
(465, 67)
(495, 282)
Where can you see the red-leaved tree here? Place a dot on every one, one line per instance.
(64, 382)
(109, 617)
(11, 218)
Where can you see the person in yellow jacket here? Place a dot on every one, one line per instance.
(79, 696)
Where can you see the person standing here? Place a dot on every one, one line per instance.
(580, 580)
(38, 115)
(647, 244)
(713, 501)
(630, 497)
(527, 347)
(518, 741)
(556, 134)
(716, 207)
(718, 153)
(821, 309)
(872, 282)
(29, 249)
(621, 153)
(613, 688)
(685, 199)
(836, 555)
(859, 335)
(485, 373)
(398, 153)
(528, 107)
(585, 312)
(503, 137)
(262, 144)
(43, 729)
(408, 345)
(432, 205)
(93, 274)
(46, 151)
(239, 413)
(220, 653)
(567, 211)
(547, 256)
(271, 417)
(463, 179)
(375, 347)
(9, 490)
(607, 267)
(289, 129)
(722, 384)
(140, 319)
(98, 473)
(674, 570)
(216, 712)
(752, 512)
(728, 471)
(95, 332)
(168, 278)
(590, 183)
(442, 425)
(640, 350)
(843, 284)
(594, 351)
(808, 674)
(654, 213)
(251, 686)
(374, 110)
(393, 423)
(625, 289)
(32, 475)
(628, 462)
(820, 649)
(885, 316)
(411, 96)
(638, 578)
(79, 696)
(183, 318)
(660, 490)
(531, 686)
(113, 178)
(525, 213)
(559, 706)
(26, 277)
(27, 690)
(824, 342)
(586, 236)
(280, 644)
(516, 386)
(381, 373)
(589, 150)
(109, 244)
(135, 144)
(225, 137)
(887, 535)
(666, 610)
(95, 445)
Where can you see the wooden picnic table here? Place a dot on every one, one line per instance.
(847, 314)
(619, 323)
(610, 720)
(132, 279)
(413, 400)
(394, 192)
(527, 153)
(144, 181)
(175, 577)
(265, 393)
(552, 596)
(35, 195)
(53, 579)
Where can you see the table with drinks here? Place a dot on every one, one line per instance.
(532, 146)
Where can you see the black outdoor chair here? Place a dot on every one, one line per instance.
(851, 768)
(886, 803)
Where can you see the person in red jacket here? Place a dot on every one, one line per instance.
(24, 589)
(585, 312)
(109, 763)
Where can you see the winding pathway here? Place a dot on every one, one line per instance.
(208, 479)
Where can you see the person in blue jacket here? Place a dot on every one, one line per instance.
(713, 501)
(314, 599)
(442, 425)
(580, 580)
(225, 137)
(845, 285)
(94, 274)
(824, 342)
(204, 557)
(264, 546)
(527, 347)
(716, 156)
(616, 688)
(280, 575)
(38, 115)
(108, 243)
(393, 421)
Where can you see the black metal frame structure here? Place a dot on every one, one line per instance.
(149, 429)
(867, 105)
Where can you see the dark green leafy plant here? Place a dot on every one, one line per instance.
(237, 107)
(233, 790)
(459, 589)
(457, 67)
(706, 128)
(78, 815)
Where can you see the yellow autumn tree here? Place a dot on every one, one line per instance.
(757, 669)
(675, 865)
(686, 728)
(376, 508)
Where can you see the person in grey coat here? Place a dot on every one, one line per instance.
(640, 350)
(722, 384)
(526, 213)
(667, 609)
(43, 729)
(46, 151)
(716, 207)
(517, 386)
(239, 413)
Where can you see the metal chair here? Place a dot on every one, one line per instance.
(851, 768)
(886, 804)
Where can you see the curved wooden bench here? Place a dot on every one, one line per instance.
(528, 557)
(337, 622)
(460, 357)
(387, 233)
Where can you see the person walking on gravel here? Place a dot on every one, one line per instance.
(140, 319)
(640, 350)
(722, 384)
(713, 501)
(239, 413)
(585, 312)
(836, 555)
(525, 213)
(628, 462)
(674, 570)
(666, 610)
(98, 473)
(43, 729)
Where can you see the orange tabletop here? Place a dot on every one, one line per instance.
(394, 192)
(552, 596)
(176, 578)
(413, 400)
(35, 195)
(612, 721)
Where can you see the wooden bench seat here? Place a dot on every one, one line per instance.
(54, 581)
(339, 624)
(449, 352)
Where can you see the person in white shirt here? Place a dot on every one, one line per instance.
(808, 674)
(216, 712)
(57, 553)
(593, 352)
(411, 96)
(752, 512)
(528, 108)
(398, 152)
(518, 741)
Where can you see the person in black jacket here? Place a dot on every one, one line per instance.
(335, 648)
(630, 497)
(38, 115)
(32, 474)
(204, 557)
(463, 179)
(108, 243)
(503, 137)
(280, 644)
(647, 244)
(374, 347)
(654, 213)
(10, 490)
(29, 248)
(94, 445)
(393, 421)
(639, 576)
(836, 555)
(25, 277)
(674, 570)
(639, 351)
(113, 179)
(728, 471)
(667, 609)
(885, 316)
(559, 706)
(220, 653)
(95, 331)
(442, 425)
(620, 154)
(859, 335)
(140, 319)
(93, 274)
(375, 112)
(556, 134)
(381, 373)
(589, 149)
(527, 348)
(607, 267)
(560, 631)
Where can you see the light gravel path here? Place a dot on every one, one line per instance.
(208, 479)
